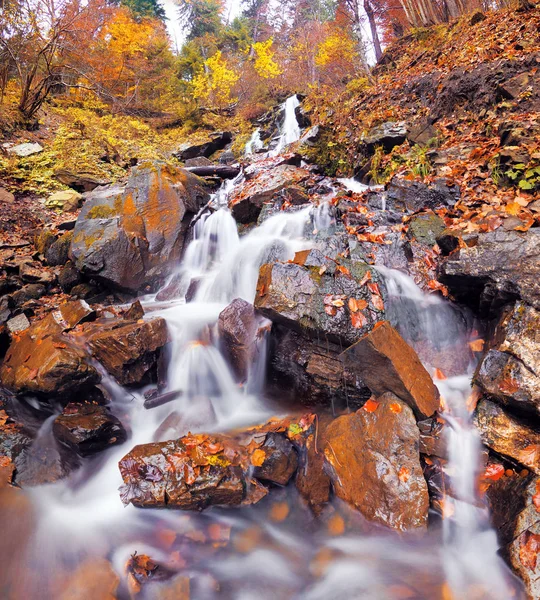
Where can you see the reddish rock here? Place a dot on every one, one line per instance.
(128, 351)
(237, 326)
(191, 473)
(42, 360)
(432, 437)
(373, 460)
(386, 363)
(312, 481)
(246, 203)
(508, 435)
(88, 428)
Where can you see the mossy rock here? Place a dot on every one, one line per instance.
(426, 228)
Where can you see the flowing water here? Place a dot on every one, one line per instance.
(290, 130)
(267, 557)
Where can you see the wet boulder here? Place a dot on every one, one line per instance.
(508, 435)
(510, 370)
(513, 502)
(88, 428)
(409, 197)
(303, 371)
(132, 236)
(14, 438)
(373, 460)
(433, 437)
(127, 350)
(312, 481)
(386, 363)
(43, 361)
(339, 307)
(501, 266)
(280, 460)
(247, 201)
(217, 141)
(191, 473)
(237, 327)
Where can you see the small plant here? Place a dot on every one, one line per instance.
(496, 172)
(378, 172)
(418, 162)
(526, 177)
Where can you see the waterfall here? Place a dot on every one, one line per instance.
(83, 515)
(290, 130)
(255, 143)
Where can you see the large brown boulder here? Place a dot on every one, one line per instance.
(386, 363)
(510, 370)
(134, 235)
(43, 361)
(374, 462)
(127, 350)
(50, 359)
(247, 201)
(508, 435)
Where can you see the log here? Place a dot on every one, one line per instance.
(156, 400)
(222, 171)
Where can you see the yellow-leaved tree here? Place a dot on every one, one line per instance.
(215, 83)
(265, 64)
(336, 57)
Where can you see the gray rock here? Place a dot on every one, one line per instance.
(388, 135)
(18, 324)
(502, 266)
(132, 236)
(24, 150)
(318, 305)
(217, 141)
(248, 199)
(510, 371)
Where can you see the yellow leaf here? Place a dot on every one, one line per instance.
(258, 457)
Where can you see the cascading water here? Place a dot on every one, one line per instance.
(296, 558)
(290, 130)
(254, 144)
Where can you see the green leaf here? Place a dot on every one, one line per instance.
(526, 185)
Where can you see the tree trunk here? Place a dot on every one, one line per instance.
(374, 31)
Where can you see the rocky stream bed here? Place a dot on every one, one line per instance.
(292, 386)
